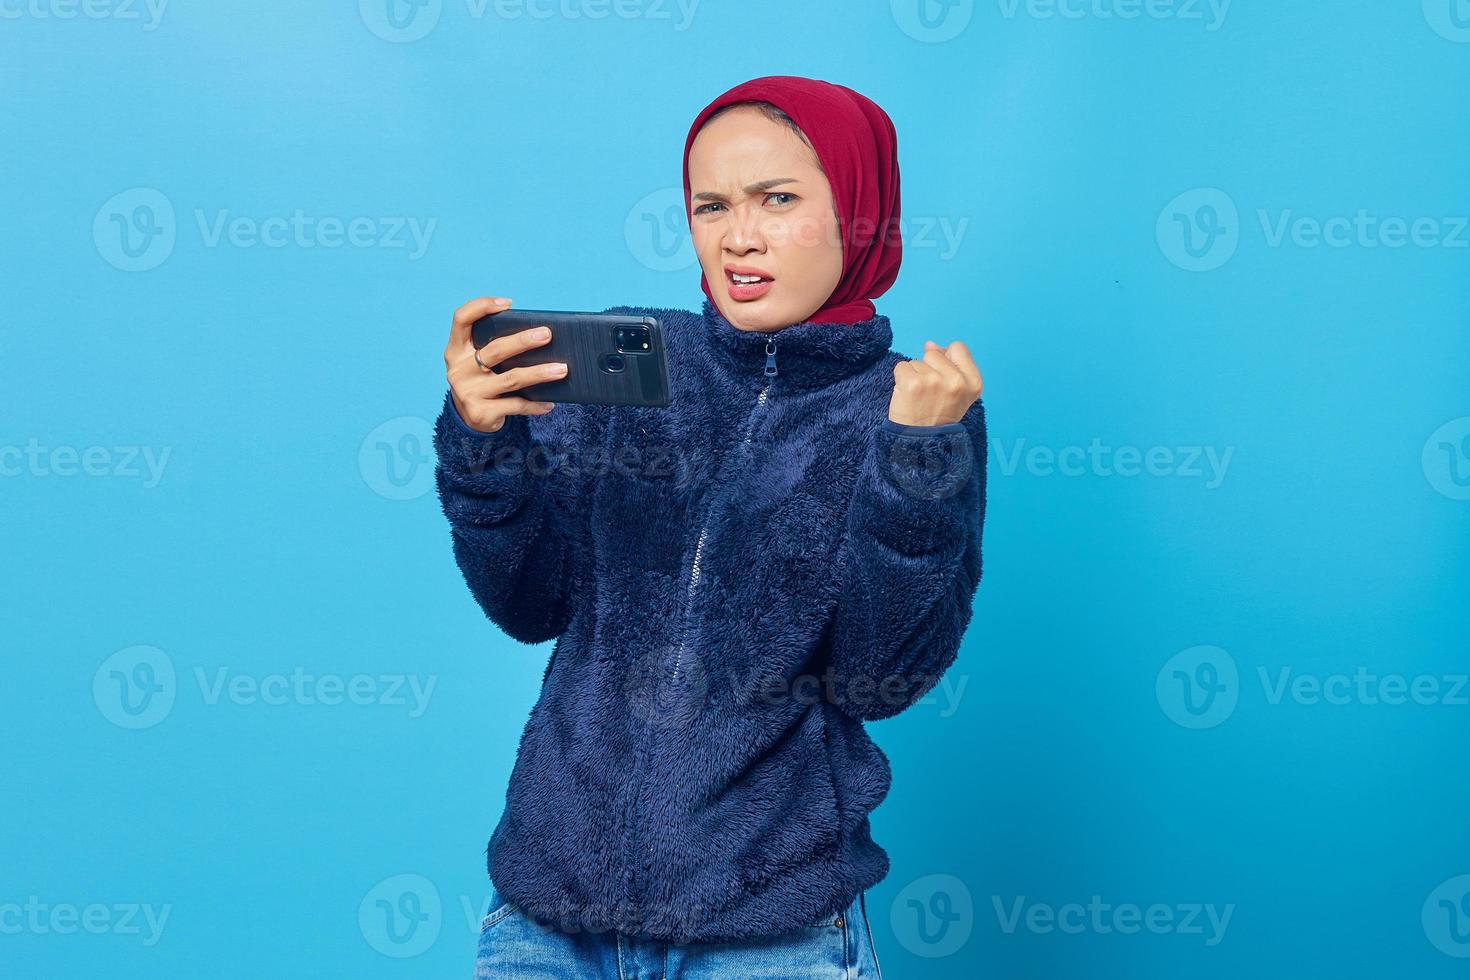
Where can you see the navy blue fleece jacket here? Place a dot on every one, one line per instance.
(735, 584)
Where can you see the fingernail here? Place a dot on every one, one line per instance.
(555, 369)
(548, 405)
(501, 301)
(540, 333)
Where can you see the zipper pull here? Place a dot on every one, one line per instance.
(771, 358)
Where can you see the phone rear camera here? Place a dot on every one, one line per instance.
(634, 338)
(614, 362)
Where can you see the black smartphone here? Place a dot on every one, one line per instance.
(611, 359)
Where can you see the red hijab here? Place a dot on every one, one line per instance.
(857, 146)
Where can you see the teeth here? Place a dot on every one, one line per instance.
(744, 279)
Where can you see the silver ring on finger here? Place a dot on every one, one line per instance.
(483, 365)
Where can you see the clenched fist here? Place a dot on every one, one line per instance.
(937, 389)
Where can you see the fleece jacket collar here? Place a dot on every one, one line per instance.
(805, 355)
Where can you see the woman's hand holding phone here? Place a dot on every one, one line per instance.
(484, 397)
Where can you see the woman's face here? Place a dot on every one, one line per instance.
(761, 207)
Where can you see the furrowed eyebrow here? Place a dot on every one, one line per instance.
(763, 185)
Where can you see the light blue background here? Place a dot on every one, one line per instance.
(545, 150)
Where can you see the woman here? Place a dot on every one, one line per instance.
(735, 583)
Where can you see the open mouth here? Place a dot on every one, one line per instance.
(747, 284)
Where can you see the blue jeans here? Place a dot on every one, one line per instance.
(515, 947)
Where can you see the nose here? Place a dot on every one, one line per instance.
(743, 235)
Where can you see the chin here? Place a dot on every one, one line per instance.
(761, 315)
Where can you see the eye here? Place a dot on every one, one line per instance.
(704, 208)
(786, 194)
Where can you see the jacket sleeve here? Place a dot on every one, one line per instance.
(910, 563)
(518, 502)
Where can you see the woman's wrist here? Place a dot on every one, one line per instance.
(452, 410)
(903, 428)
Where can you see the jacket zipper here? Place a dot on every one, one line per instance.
(760, 401)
